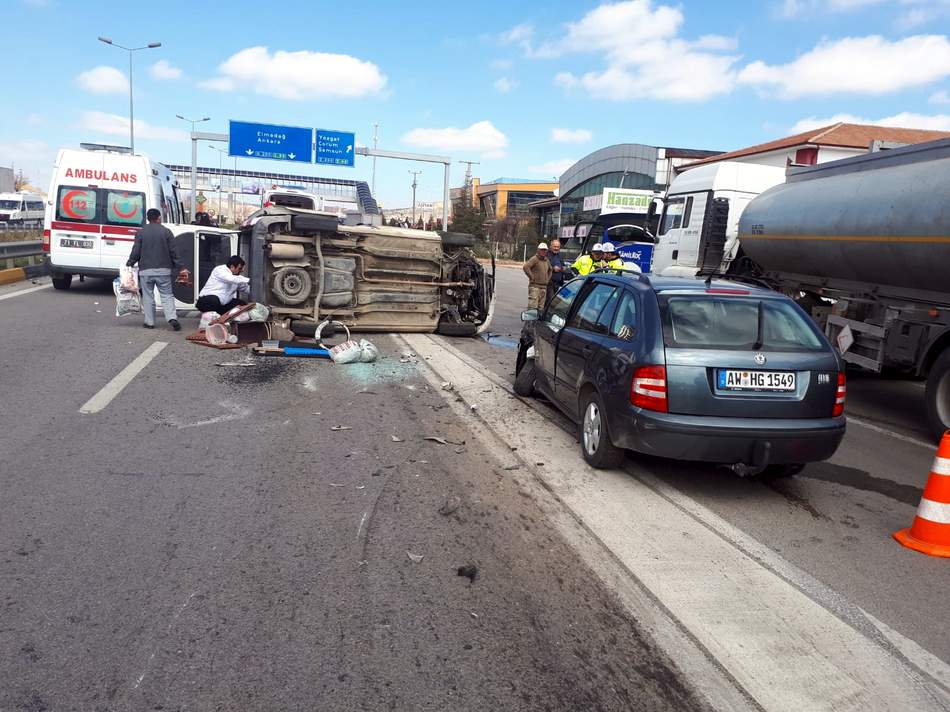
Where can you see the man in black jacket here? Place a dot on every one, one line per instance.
(154, 250)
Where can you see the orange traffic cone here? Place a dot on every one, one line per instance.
(930, 532)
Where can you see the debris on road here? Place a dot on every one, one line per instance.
(447, 386)
(395, 439)
(469, 571)
(340, 427)
(450, 505)
(433, 438)
(415, 558)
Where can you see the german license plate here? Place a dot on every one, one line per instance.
(84, 244)
(735, 380)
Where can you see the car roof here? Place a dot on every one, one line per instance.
(699, 285)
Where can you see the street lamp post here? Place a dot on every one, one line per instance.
(130, 50)
(194, 162)
(414, 174)
(220, 154)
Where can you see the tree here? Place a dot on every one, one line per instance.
(465, 218)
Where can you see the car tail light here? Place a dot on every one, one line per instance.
(45, 240)
(648, 388)
(840, 395)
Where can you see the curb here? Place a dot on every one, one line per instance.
(18, 274)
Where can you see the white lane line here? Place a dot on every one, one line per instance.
(884, 431)
(11, 295)
(122, 379)
(754, 615)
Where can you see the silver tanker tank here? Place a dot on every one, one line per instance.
(882, 218)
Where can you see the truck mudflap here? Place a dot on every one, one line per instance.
(860, 343)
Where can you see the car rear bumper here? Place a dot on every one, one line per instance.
(757, 442)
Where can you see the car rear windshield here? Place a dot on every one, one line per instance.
(708, 322)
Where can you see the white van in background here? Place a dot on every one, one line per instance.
(699, 229)
(21, 210)
(97, 201)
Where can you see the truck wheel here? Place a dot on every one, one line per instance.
(595, 440)
(937, 395)
(447, 328)
(62, 281)
(524, 381)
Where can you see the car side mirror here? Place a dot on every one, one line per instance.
(530, 315)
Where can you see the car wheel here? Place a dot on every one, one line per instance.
(62, 281)
(447, 328)
(595, 440)
(524, 381)
(779, 472)
(937, 395)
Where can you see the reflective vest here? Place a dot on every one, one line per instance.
(585, 264)
(616, 263)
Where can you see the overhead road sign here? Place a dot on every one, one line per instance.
(270, 141)
(336, 148)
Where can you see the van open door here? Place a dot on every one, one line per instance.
(200, 250)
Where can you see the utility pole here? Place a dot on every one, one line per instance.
(375, 142)
(468, 180)
(414, 174)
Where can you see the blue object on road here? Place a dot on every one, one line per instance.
(304, 351)
(336, 148)
(270, 141)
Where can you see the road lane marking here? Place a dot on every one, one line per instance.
(122, 379)
(769, 625)
(11, 295)
(884, 431)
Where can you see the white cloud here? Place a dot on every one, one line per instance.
(298, 75)
(552, 168)
(645, 56)
(517, 34)
(505, 85)
(939, 97)
(571, 135)
(116, 125)
(35, 119)
(501, 64)
(103, 80)
(481, 137)
(903, 120)
(797, 8)
(858, 65)
(163, 71)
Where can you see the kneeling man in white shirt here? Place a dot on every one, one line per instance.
(224, 287)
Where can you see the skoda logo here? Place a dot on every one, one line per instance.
(759, 359)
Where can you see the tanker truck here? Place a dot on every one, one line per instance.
(864, 243)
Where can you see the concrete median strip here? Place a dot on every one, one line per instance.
(782, 639)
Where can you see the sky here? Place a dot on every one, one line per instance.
(524, 88)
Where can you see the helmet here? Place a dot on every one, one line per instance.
(609, 247)
(542, 245)
(597, 247)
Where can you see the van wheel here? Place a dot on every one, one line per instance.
(62, 281)
(466, 328)
(595, 440)
(524, 381)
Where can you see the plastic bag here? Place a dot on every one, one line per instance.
(259, 312)
(129, 279)
(126, 302)
(368, 351)
(347, 352)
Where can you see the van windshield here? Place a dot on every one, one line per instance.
(706, 322)
(9, 204)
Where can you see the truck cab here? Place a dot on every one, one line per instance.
(699, 228)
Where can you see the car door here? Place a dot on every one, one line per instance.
(185, 246)
(622, 347)
(552, 321)
(579, 342)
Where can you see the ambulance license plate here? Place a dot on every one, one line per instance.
(84, 244)
(734, 380)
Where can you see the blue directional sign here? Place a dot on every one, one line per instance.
(270, 141)
(336, 148)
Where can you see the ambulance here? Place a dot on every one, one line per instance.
(97, 201)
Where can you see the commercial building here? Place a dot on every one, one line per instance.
(827, 143)
(505, 197)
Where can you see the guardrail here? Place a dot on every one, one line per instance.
(27, 248)
(20, 227)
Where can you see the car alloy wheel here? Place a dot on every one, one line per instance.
(592, 428)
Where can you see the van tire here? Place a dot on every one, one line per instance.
(62, 281)
(447, 328)
(596, 446)
(524, 381)
(457, 239)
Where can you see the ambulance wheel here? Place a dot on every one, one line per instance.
(62, 281)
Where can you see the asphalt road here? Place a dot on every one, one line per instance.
(834, 521)
(209, 541)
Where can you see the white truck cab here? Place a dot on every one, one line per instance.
(21, 210)
(97, 201)
(699, 228)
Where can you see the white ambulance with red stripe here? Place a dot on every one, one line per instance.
(97, 201)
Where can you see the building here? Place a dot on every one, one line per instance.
(508, 197)
(622, 172)
(426, 210)
(828, 143)
(7, 180)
